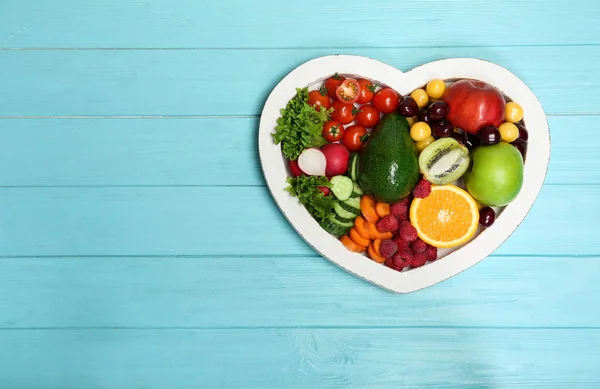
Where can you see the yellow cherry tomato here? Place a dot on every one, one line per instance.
(421, 97)
(435, 88)
(508, 132)
(420, 131)
(411, 120)
(514, 112)
(424, 143)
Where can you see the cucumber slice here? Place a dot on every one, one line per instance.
(342, 187)
(336, 228)
(342, 213)
(354, 202)
(357, 190)
(350, 208)
(353, 166)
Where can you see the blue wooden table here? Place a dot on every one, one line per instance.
(140, 247)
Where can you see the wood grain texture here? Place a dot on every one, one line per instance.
(237, 82)
(201, 151)
(242, 292)
(301, 358)
(232, 221)
(310, 23)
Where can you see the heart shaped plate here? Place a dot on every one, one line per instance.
(450, 261)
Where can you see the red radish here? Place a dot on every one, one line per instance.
(325, 190)
(295, 169)
(337, 156)
(312, 162)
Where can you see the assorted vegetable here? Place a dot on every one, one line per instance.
(351, 144)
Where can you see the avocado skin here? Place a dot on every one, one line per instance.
(388, 165)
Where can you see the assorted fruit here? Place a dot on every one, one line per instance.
(398, 177)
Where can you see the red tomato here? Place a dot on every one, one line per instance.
(342, 112)
(348, 92)
(366, 91)
(368, 116)
(318, 99)
(332, 83)
(354, 137)
(386, 100)
(333, 131)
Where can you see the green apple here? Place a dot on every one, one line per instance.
(495, 176)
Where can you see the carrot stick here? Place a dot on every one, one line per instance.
(359, 240)
(376, 245)
(382, 209)
(361, 227)
(350, 245)
(374, 256)
(367, 206)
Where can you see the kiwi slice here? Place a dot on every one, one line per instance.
(444, 161)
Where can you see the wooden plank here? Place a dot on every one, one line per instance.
(209, 151)
(310, 23)
(301, 358)
(521, 292)
(237, 82)
(232, 221)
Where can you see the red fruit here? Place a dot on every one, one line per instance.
(337, 156)
(398, 209)
(389, 263)
(295, 169)
(408, 232)
(422, 189)
(431, 252)
(326, 191)
(406, 201)
(418, 246)
(387, 223)
(388, 248)
(418, 260)
(401, 243)
(474, 104)
(332, 83)
(403, 258)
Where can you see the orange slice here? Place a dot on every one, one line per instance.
(448, 217)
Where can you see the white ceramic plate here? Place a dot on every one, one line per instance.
(314, 72)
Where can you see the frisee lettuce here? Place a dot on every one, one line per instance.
(306, 189)
(300, 126)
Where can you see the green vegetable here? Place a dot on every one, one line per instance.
(306, 189)
(300, 126)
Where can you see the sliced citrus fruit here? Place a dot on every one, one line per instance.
(448, 217)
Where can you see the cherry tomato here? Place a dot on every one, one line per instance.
(368, 116)
(354, 137)
(366, 91)
(342, 112)
(333, 131)
(348, 91)
(386, 100)
(318, 99)
(332, 83)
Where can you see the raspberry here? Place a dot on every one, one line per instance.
(406, 201)
(398, 209)
(387, 223)
(388, 248)
(418, 260)
(408, 232)
(403, 258)
(431, 252)
(389, 263)
(422, 190)
(418, 246)
(402, 244)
